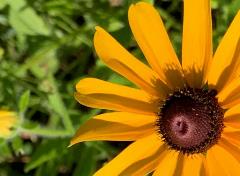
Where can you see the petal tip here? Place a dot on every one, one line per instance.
(134, 6)
(76, 95)
(84, 83)
(72, 142)
(98, 28)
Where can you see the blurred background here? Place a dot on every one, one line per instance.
(45, 49)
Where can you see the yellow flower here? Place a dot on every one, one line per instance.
(7, 121)
(184, 120)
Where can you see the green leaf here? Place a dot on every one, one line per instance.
(24, 101)
(17, 145)
(1, 53)
(5, 152)
(25, 20)
(87, 162)
(56, 102)
(3, 3)
(45, 54)
(115, 25)
(58, 106)
(47, 64)
(48, 150)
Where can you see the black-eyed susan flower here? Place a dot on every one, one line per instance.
(185, 118)
(7, 121)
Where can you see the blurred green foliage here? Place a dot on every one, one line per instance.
(45, 48)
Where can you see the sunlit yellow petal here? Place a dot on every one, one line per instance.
(134, 158)
(168, 164)
(205, 169)
(115, 126)
(233, 137)
(181, 165)
(151, 36)
(148, 165)
(7, 121)
(197, 41)
(230, 94)
(234, 150)
(227, 57)
(193, 165)
(232, 117)
(101, 94)
(221, 162)
(229, 129)
(121, 61)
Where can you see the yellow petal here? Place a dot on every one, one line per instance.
(180, 165)
(115, 126)
(234, 150)
(221, 162)
(138, 159)
(193, 165)
(233, 137)
(229, 129)
(101, 94)
(7, 121)
(232, 117)
(197, 41)
(168, 164)
(152, 38)
(205, 169)
(227, 58)
(229, 96)
(121, 61)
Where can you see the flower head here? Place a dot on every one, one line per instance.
(7, 121)
(184, 118)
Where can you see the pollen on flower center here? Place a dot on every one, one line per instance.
(191, 120)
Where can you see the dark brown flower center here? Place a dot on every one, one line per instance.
(191, 120)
